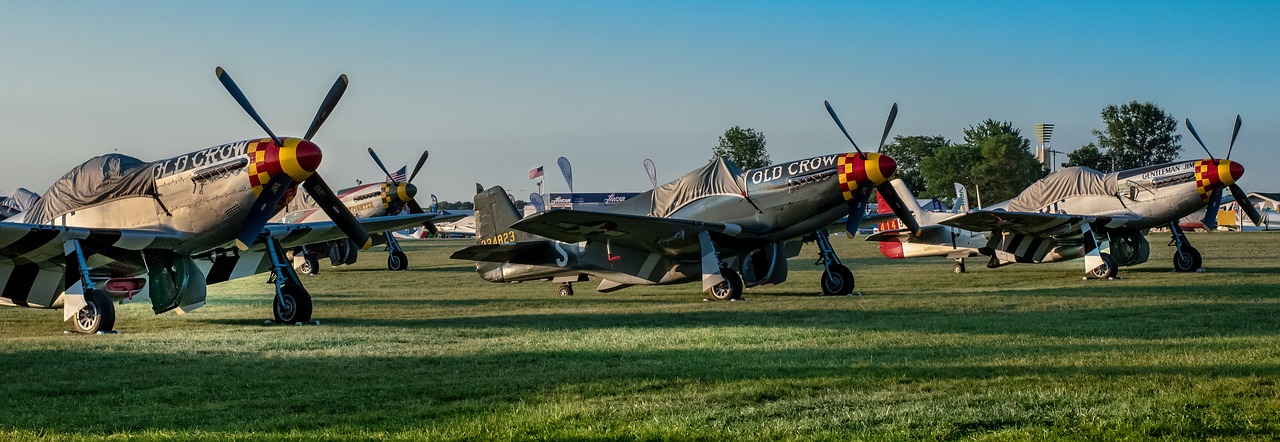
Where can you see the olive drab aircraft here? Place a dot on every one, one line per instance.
(388, 198)
(118, 228)
(1080, 212)
(730, 228)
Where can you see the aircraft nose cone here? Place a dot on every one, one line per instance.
(887, 167)
(308, 155)
(407, 192)
(299, 158)
(1237, 171)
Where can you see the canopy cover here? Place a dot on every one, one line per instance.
(1070, 181)
(718, 177)
(101, 179)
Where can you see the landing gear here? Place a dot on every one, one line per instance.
(292, 303)
(396, 260)
(309, 266)
(959, 265)
(98, 314)
(730, 288)
(837, 279)
(566, 289)
(1107, 270)
(1185, 257)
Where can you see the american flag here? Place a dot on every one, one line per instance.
(398, 176)
(535, 173)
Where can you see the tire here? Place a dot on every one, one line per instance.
(566, 290)
(960, 267)
(1187, 260)
(837, 283)
(98, 314)
(293, 305)
(397, 261)
(730, 288)
(1107, 270)
(310, 266)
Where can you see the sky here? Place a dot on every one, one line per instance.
(494, 89)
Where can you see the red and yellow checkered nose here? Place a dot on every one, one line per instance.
(1212, 175)
(856, 171)
(298, 158)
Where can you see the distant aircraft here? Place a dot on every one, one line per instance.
(730, 228)
(365, 201)
(118, 228)
(1080, 212)
(933, 239)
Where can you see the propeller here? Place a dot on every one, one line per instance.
(1238, 193)
(264, 206)
(858, 202)
(413, 205)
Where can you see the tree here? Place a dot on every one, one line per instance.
(744, 147)
(1138, 134)
(1089, 156)
(910, 152)
(1007, 166)
(949, 164)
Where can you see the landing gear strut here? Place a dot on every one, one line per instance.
(836, 279)
(293, 303)
(396, 260)
(97, 314)
(1185, 257)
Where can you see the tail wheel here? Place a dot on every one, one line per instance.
(837, 281)
(1187, 259)
(98, 314)
(310, 266)
(1108, 268)
(397, 261)
(292, 305)
(566, 290)
(730, 288)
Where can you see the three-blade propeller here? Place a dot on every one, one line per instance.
(275, 189)
(858, 204)
(1215, 199)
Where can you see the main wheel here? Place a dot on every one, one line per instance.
(959, 267)
(97, 315)
(1107, 270)
(397, 261)
(1187, 259)
(293, 305)
(730, 288)
(310, 266)
(837, 281)
(566, 290)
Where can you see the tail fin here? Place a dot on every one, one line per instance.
(908, 199)
(495, 213)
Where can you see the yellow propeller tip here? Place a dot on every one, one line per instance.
(367, 244)
(242, 246)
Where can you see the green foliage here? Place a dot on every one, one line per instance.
(744, 147)
(910, 152)
(456, 205)
(1089, 156)
(949, 164)
(1138, 134)
(1024, 352)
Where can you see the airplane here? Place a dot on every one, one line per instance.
(119, 228)
(1080, 212)
(730, 228)
(364, 201)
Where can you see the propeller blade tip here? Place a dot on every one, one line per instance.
(218, 71)
(241, 245)
(367, 244)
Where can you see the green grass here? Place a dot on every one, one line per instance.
(1021, 352)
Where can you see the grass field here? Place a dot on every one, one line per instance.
(1021, 352)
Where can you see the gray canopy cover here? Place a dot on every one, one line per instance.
(1067, 182)
(718, 177)
(101, 179)
(21, 200)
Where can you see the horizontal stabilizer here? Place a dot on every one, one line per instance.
(526, 252)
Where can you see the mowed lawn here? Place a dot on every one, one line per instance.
(435, 353)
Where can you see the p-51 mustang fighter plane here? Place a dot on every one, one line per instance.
(365, 201)
(116, 227)
(733, 229)
(1078, 211)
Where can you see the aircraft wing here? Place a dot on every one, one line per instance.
(889, 234)
(446, 217)
(1030, 223)
(662, 235)
(33, 258)
(293, 235)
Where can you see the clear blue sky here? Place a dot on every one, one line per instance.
(494, 89)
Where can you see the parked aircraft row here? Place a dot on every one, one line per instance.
(120, 229)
